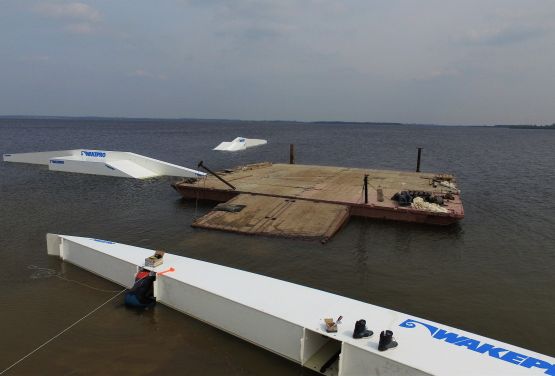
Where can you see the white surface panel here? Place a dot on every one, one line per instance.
(273, 313)
(104, 162)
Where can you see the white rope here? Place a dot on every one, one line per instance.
(62, 332)
(420, 204)
(47, 273)
(84, 284)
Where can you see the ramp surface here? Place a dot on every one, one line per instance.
(288, 319)
(132, 169)
(240, 143)
(277, 216)
(104, 162)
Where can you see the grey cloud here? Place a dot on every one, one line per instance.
(81, 28)
(75, 11)
(313, 59)
(252, 21)
(503, 36)
(253, 31)
(35, 59)
(439, 73)
(78, 18)
(146, 74)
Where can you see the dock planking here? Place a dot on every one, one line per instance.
(315, 201)
(276, 216)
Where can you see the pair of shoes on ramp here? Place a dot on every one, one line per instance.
(386, 337)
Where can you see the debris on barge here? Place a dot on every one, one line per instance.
(314, 202)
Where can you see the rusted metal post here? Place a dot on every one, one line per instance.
(291, 154)
(216, 175)
(366, 189)
(418, 160)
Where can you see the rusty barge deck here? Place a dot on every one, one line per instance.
(307, 201)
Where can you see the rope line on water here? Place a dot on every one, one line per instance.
(47, 273)
(84, 284)
(62, 332)
(52, 273)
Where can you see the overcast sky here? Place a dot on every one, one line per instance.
(449, 62)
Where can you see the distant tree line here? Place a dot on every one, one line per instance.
(526, 126)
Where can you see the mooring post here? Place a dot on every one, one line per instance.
(379, 192)
(291, 154)
(366, 189)
(418, 160)
(201, 165)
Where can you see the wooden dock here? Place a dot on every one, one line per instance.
(276, 216)
(308, 201)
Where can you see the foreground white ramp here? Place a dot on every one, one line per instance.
(240, 143)
(103, 162)
(287, 319)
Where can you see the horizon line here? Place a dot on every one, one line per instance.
(240, 120)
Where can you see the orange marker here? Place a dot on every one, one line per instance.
(166, 271)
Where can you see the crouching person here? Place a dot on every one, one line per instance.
(141, 294)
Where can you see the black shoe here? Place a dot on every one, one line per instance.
(386, 341)
(361, 331)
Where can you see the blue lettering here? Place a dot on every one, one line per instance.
(449, 337)
(471, 344)
(533, 362)
(103, 241)
(483, 348)
(99, 154)
(494, 353)
(513, 357)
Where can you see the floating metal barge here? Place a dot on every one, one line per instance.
(288, 319)
(309, 201)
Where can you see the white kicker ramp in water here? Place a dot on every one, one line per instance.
(287, 319)
(103, 162)
(240, 143)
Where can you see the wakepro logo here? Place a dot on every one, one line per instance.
(103, 241)
(97, 154)
(483, 348)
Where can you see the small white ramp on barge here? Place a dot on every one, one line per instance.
(287, 319)
(103, 162)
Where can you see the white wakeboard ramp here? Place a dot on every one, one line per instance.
(240, 143)
(104, 162)
(287, 319)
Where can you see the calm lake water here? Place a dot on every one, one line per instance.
(492, 274)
